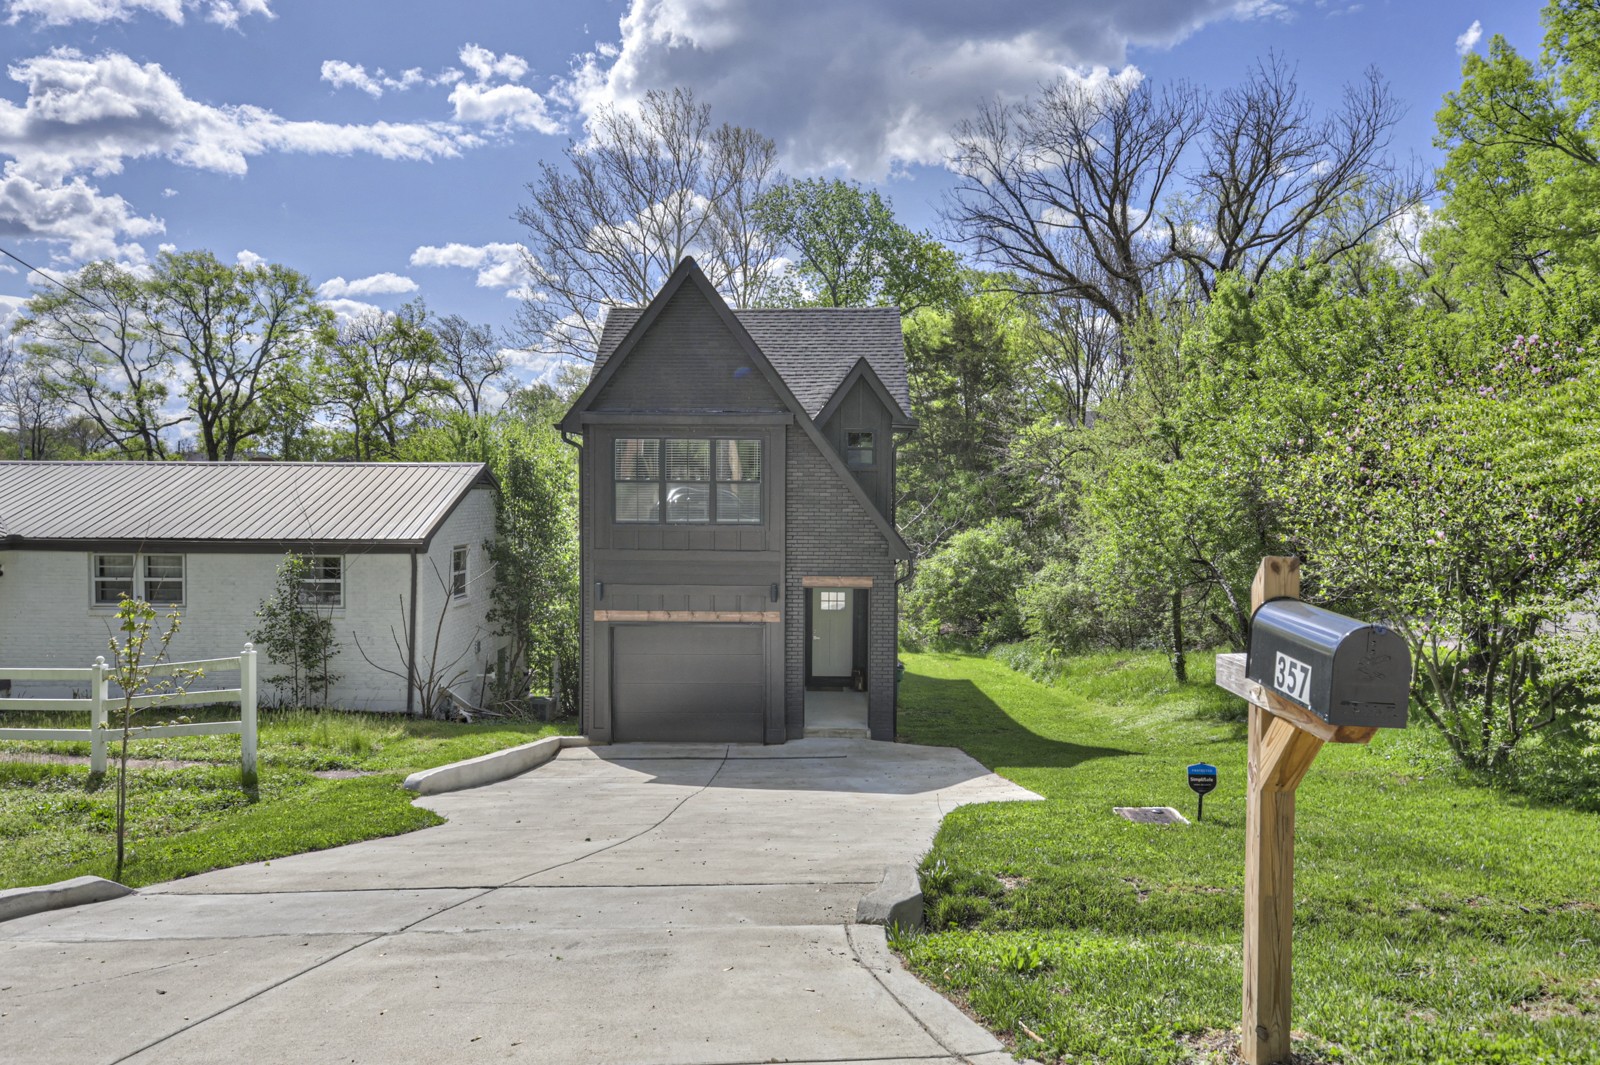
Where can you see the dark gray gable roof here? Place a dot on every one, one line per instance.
(688, 273)
(812, 348)
(245, 503)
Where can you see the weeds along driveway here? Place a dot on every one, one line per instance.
(628, 904)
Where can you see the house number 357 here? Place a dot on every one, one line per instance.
(1292, 677)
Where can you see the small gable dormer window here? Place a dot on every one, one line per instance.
(860, 449)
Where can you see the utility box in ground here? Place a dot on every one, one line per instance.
(1345, 671)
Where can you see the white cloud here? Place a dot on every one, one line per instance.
(341, 74)
(249, 259)
(502, 266)
(89, 115)
(225, 13)
(536, 367)
(167, 194)
(338, 73)
(506, 106)
(10, 311)
(347, 310)
(1469, 38)
(488, 66)
(385, 284)
(70, 212)
(864, 88)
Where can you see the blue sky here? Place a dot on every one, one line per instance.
(382, 147)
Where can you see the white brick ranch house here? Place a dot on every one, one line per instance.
(395, 548)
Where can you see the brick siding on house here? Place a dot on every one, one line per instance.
(828, 534)
(46, 619)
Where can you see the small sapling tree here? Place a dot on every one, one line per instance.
(135, 654)
(297, 637)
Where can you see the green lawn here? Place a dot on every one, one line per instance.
(56, 821)
(1435, 920)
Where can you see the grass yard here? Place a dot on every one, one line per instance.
(57, 822)
(1435, 920)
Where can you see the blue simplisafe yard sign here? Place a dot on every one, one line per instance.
(1202, 778)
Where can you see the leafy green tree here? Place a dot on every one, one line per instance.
(97, 344)
(850, 252)
(134, 656)
(1456, 494)
(1522, 178)
(385, 377)
(535, 552)
(968, 588)
(242, 333)
(297, 637)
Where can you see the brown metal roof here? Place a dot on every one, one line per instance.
(397, 503)
(812, 348)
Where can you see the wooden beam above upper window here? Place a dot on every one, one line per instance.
(836, 582)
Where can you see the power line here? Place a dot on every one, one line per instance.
(54, 281)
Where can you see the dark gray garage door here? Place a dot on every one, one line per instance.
(688, 683)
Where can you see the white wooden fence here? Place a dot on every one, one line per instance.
(99, 704)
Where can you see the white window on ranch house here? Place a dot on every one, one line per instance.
(157, 579)
(686, 481)
(458, 572)
(323, 584)
(832, 600)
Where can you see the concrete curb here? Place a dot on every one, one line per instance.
(490, 768)
(943, 1019)
(22, 901)
(897, 900)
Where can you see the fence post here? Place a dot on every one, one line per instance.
(97, 716)
(247, 711)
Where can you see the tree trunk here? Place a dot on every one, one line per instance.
(1180, 671)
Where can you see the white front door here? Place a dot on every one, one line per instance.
(832, 631)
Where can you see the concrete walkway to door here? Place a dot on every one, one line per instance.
(626, 905)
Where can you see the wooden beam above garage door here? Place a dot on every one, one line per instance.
(770, 617)
(836, 582)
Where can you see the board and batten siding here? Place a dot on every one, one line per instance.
(47, 620)
(861, 410)
(829, 534)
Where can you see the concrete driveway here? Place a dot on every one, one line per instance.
(628, 904)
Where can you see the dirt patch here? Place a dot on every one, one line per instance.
(1220, 1046)
(1011, 883)
(40, 758)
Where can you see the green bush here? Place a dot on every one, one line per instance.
(968, 588)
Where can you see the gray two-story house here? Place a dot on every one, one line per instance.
(738, 539)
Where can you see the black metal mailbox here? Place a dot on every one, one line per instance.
(1343, 670)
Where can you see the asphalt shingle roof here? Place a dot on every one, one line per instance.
(812, 348)
(398, 503)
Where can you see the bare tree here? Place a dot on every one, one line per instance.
(1275, 182)
(419, 665)
(473, 355)
(1064, 190)
(241, 331)
(645, 191)
(1078, 349)
(95, 339)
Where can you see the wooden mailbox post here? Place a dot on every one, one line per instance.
(1284, 740)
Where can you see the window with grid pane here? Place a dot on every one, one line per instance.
(113, 579)
(323, 583)
(163, 579)
(738, 492)
(636, 476)
(832, 600)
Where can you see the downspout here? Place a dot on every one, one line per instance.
(583, 577)
(911, 562)
(411, 644)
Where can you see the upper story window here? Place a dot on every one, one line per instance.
(458, 572)
(860, 449)
(156, 579)
(323, 583)
(684, 480)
